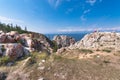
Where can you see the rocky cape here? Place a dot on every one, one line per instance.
(90, 58)
(16, 45)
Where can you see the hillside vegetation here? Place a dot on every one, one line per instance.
(10, 27)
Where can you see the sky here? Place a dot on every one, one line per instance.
(57, 16)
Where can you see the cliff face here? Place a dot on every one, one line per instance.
(63, 41)
(99, 40)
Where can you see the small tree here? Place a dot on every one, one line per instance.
(25, 28)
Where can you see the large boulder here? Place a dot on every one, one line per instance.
(10, 37)
(63, 40)
(12, 33)
(13, 50)
(2, 37)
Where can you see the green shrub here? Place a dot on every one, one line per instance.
(106, 61)
(4, 60)
(106, 50)
(55, 47)
(57, 57)
(3, 48)
(97, 49)
(38, 56)
(86, 51)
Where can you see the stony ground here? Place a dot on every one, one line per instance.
(56, 67)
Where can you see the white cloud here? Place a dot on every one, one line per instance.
(57, 3)
(54, 3)
(69, 10)
(83, 18)
(83, 15)
(91, 2)
(86, 11)
(10, 20)
(80, 29)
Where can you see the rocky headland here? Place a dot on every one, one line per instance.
(32, 56)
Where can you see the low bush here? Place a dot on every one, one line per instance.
(55, 47)
(35, 56)
(107, 50)
(3, 48)
(106, 61)
(4, 60)
(86, 51)
(57, 57)
(97, 49)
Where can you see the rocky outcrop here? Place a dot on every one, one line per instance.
(16, 45)
(42, 38)
(63, 41)
(13, 50)
(37, 42)
(10, 37)
(99, 40)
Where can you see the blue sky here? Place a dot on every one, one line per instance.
(51, 16)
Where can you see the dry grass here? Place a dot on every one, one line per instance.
(61, 68)
(74, 69)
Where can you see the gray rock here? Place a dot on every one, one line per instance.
(10, 64)
(63, 40)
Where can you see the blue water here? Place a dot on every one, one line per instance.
(76, 36)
